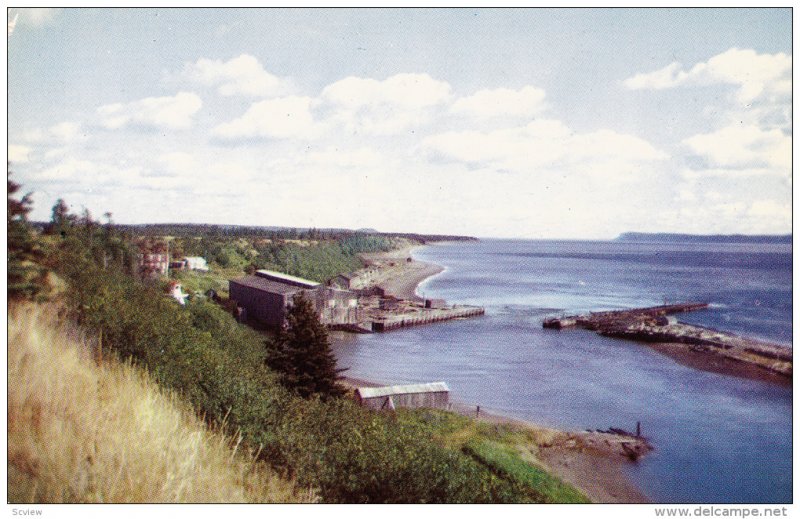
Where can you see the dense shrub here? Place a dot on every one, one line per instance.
(354, 455)
(348, 453)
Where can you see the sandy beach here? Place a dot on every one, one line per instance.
(683, 354)
(398, 276)
(592, 462)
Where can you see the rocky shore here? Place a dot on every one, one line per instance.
(700, 347)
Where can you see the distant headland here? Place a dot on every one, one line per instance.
(662, 237)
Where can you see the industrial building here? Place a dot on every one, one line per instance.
(267, 295)
(432, 394)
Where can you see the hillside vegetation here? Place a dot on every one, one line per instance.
(339, 451)
(82, 432)
(316, 259)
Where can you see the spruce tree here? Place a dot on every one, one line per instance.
(301, 353)
(26, 276)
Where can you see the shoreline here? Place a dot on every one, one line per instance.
(695, 346)
(592, 462)
(683, 354)
(400, 277)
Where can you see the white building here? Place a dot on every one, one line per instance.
(176, 292)
(196, 263)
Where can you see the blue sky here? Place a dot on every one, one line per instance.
(540, 123)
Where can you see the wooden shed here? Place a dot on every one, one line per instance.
(432, 394)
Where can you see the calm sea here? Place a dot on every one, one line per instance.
(718, 439)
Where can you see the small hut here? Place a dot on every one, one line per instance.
(432, 394)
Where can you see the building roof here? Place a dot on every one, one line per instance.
(267, 285)
(430, 387)
(286, 278)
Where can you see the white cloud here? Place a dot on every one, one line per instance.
(772, 210)
(18, 154)
(64, 132)
(175, 163)
(501, 102)
(405, 90)
(748, 147)
(70, 169)
(542, 144)
(281, 118)
(392, 106)
(333, 156)
(728, 173)
(98, 176)
(35, 16)
(726, 200)
(173, 112)
(667, 77)
(755, 75)
(732, 216)
(243, 75)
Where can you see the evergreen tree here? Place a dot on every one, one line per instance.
(301, 353)
(61, 221)
(26, 277)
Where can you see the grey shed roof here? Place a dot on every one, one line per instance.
(286, 278)
(430, 387)
(267, 285)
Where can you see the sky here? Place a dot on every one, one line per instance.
(529, 123)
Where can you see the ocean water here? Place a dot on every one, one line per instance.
(717, 438)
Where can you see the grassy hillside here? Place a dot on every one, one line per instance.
(83, 432)
(79, 432)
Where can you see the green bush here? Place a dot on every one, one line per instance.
(347, 453)
(354, 455)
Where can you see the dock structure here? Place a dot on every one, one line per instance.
(428, 316)
(597, 320)
(652, 325)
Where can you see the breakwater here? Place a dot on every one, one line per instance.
(598, 320)
(653, 324)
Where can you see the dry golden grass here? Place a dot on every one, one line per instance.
(83, 432)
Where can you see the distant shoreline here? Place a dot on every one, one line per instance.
(703, 238)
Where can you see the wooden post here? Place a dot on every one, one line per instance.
(477, 411)
(638, 429)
